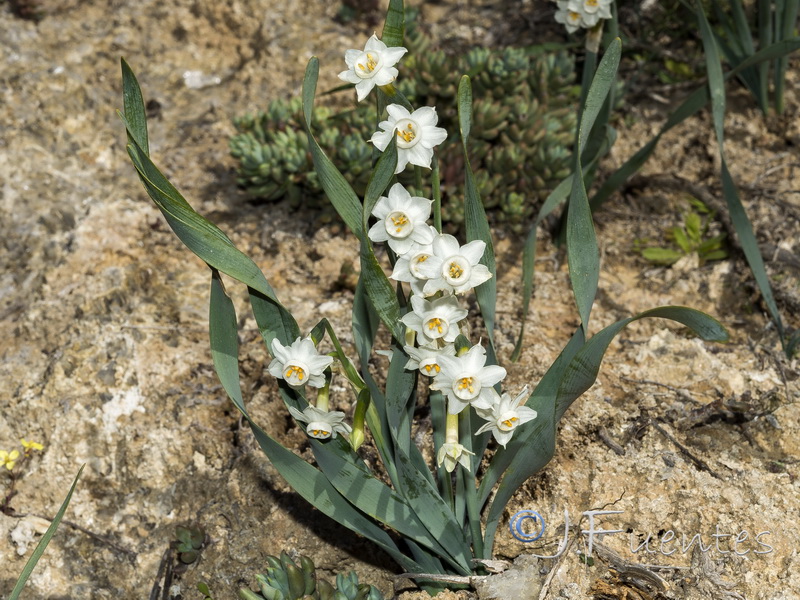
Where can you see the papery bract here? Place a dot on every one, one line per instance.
(416, 133)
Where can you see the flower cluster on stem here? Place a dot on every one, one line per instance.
(439, 270)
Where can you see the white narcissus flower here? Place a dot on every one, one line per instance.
(571, 19)
(322, 424)
(416, 133)
(299, 364)
(454, 268)
(452, 454)
(401, 220)
(466, 380)
(375, 65)
(575, 14)
(426, 358)
(407, 266)
(591, 10)
(435, 320)
(505, 415)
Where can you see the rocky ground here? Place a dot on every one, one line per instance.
(106, 358)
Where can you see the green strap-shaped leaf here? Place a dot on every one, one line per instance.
(582, 252)
(553, 201)
(133, 103)
(475, 221)
(372, 497)
(696, 100)
(742, 224)
(400, 387)
(42, 545)
(532, 446)
(571, 375)
(307, 481)
(336, 187)
(394, 26)
(432, 511)
(201, 236)
(584, 367)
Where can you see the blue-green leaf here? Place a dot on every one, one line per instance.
(336, 187)
(475, 221)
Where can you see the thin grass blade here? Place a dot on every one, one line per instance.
(42, 545)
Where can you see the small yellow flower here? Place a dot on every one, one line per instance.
(8, 459)
(30, 445)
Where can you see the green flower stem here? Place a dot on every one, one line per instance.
(437, 195)
(362, 405)
(347, 367)
(451, 433)
(466, 489)
(589, 68)
(418, 180)
(323, 394)
(438, 412)
(374, 423)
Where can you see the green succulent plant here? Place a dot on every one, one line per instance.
(524, 119)
(693, 236)
(286, 580)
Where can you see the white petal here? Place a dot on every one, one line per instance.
(401, 246)
(393, 55)
(401, 271)
(378, 233)
(380, 139)
(298, 415)
(474, 359)
(473, 251)
(363, 88)
(420, 155)
(349, 76)
(435, 285)
(480, 274)
(374, 44)
(502, 437)
(431, 267)
(397, 112)
(351, 56)
(422, 236)
(455, 405)
(402, 160)
(385, 76)
(425, 116)
(451, 365)
(492, 374)
(275, 368)
(433, 136)
(445, 246)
